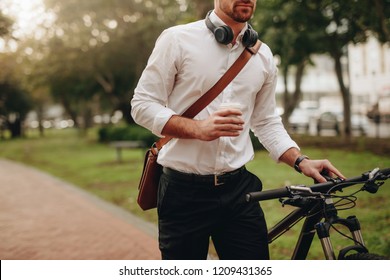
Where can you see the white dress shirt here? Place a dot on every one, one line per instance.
(185, 63)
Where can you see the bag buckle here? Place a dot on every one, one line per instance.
(154, 149)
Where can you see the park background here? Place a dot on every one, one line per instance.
(68, 70)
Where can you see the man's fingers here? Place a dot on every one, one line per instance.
(333, 170)
(319, 178)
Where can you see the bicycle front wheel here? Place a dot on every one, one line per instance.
(365, 256)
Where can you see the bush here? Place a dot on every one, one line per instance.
(126, 133)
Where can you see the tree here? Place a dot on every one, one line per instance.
(378, 19)
(16, 106)
(346, 22)
(92, 54)
(297, 29)
(14, 101)
(107, 43)
(292, 30)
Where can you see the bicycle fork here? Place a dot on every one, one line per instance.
(353, 225)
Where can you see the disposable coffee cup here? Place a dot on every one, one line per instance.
(231, 105)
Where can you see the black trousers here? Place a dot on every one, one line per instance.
(190, 213)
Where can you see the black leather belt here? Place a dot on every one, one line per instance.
(215, 180)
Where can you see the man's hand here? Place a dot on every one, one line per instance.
(222, 123)
(313, 168)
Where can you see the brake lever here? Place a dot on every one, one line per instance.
(298, 201)
(373, 173)
(325, 173)
(371, 186)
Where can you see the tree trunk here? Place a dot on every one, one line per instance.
(379, 7)
(291, 101)
(14, 125)
(336, 54)
(286, 95)
(73, 115)
(40, 120)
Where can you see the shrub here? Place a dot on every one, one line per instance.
(126, 133)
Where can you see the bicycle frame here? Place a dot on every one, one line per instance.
(316, 205)
(314, 213)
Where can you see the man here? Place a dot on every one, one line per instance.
(204, 182)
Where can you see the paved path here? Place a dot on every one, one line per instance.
(44, 218)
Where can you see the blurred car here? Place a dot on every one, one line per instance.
(329, 121)
(332, 121)
(299, 120)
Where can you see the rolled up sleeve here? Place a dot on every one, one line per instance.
(267, 124)
(149, 102)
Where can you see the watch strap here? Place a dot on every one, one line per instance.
(298, 161)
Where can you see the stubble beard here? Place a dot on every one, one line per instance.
(239, 14)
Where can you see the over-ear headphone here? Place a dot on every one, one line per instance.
(224, 34)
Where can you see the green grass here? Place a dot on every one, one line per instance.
(92, 166)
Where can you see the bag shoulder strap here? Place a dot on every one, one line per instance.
(215, 90)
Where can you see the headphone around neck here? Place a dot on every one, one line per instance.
(224, 34)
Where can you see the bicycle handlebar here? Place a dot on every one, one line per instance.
(269, 194)
(338, 184)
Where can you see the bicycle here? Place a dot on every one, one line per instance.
(316, 204)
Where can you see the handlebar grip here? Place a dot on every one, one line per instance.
(269, 194)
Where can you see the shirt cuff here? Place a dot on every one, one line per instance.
(160, 120)
(278, 151)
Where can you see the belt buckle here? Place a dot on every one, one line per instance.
(216, 181)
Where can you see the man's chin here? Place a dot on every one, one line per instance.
(243, 14)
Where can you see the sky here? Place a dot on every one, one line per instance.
(27, 14)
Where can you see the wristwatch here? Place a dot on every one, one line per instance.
(298, 161)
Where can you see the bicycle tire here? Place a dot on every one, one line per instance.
(365, 256)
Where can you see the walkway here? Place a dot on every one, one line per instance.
(44, 218)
